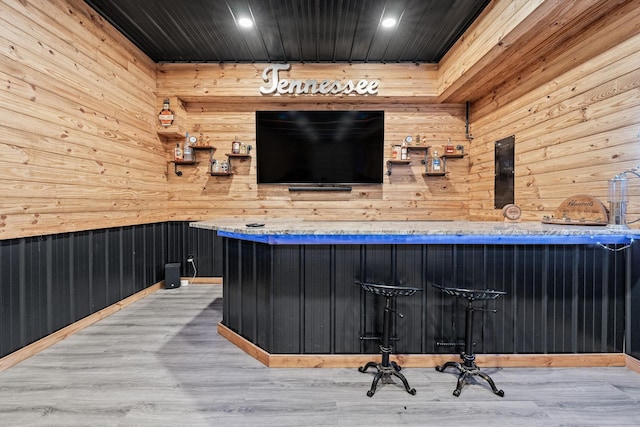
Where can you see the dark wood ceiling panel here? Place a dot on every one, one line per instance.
(291, 30)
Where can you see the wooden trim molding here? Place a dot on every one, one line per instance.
(43, 343)
(632, 363)
(203, 280)
(428, 360)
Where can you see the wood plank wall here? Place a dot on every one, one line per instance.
(78, 148)
(575, 128)
(220, 101)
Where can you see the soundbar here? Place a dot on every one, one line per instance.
(320, 188)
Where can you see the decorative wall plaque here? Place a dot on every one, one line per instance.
(511, 213)
(274, 84)
(580, 209)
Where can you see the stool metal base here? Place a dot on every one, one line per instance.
(385, 374)
(386, 369)
(468, 366)
(467, 369)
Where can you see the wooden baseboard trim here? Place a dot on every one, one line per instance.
(244, 345)
(203, 280)
(57, 336)
(632, 363)
(424, 360)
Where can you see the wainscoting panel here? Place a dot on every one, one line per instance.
(633, 303)
(559, 298)
(48, 282)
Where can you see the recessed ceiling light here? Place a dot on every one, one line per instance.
(388, 22)
(245, 22)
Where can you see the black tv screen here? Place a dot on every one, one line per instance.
(320, 147)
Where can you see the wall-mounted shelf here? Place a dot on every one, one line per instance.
(236, 156)
(229, 157)
(401, 162)
(195, 148)
(170, 132)
(392, 162)
(424, 160)
(443, 159)
(204, 147)
(177, 163)
(178, 128)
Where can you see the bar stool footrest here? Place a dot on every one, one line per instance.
(377, 337)
(450, 344)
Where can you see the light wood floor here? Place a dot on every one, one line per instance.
(160, 362)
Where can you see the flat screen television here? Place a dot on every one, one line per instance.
(320, 148)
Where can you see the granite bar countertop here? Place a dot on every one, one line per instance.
(299, 231)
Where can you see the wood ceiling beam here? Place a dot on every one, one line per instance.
(507, 38)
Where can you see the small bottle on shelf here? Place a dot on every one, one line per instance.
(436, 163)
(224, 167)
(449, 148)
(404, 152)
(177, 154)
(235, 146)
(166, 114)
(188, 151)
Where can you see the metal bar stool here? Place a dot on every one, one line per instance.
(468, 366)
(386, 369)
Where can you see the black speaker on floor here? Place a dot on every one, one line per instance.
(172, 275)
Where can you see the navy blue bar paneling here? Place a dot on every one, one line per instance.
(297, 299)
(49, 282)
(633, 302)
(32, 287)
(288, 299)
(81, 273)
(302, 299)
(347, 261)
(316, 296)
(114, 264)
(246, 266)
(231, 302)
(99, 278)
(264, 301)
(60, 308)
(10, 295)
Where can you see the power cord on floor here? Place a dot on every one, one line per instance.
(195, 270)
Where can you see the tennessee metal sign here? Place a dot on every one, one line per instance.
(274, 84)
